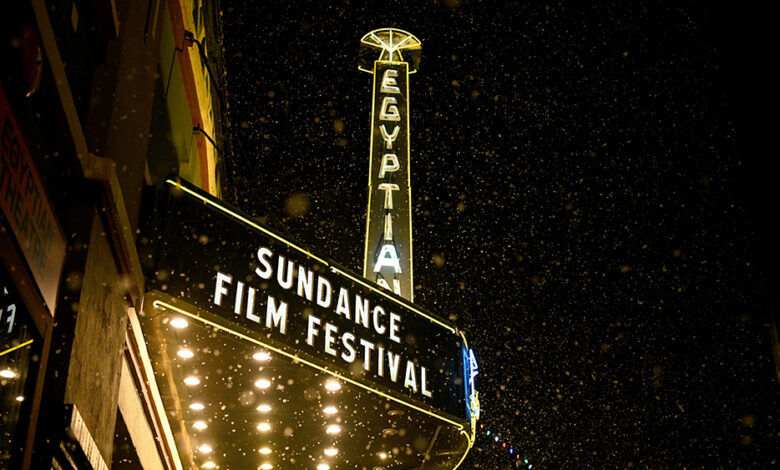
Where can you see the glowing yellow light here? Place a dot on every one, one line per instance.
(205, 449)
(20, 398)
(18, 346)
(261, 356)
(333, 386)
(263, 383)
(265, 451)
(330, 410)
(323, 466)
(200, 425)
(383, 455)
(209, 464)
(333, 429)
(266, 466)
(179, 323)
(185, 353)
(7, 374)
(196, 406)
(263, 427)
(192, 380)
(264, 408)
(332, 451)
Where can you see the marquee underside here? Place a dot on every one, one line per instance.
(374, 431)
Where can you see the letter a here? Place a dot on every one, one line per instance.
(387, 257)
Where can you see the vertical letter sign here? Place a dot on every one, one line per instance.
(388, 250)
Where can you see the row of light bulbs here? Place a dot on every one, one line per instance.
(262, 383)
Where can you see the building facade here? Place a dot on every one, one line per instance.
(100, 99)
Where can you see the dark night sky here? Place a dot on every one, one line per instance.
(587, 191)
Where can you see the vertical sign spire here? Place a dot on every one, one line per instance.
(390, 55)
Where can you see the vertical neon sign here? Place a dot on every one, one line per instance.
(387, 257)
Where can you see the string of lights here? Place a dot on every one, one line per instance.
(521, 461)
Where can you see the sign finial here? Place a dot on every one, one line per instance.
(389, 44)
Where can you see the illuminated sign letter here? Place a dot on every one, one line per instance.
(277, 316)
(389, 164)
(388, 188)
(389, 83)
(387, 257)
(389, 138)
(220, 289)
(389, 111)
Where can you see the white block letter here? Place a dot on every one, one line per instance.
(389, 111)
(387, 257)
(220, 290)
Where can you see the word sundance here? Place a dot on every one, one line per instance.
(338, 322)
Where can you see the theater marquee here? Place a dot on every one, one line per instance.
(219, 265)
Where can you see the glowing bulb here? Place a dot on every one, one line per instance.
(196, 406)
(20, 398)
(266, 466)
(179, 323)
(331, 452)
(323, 466)
(333, 429)
(209, 464)
(333, 386)
(185, 353)
(330, 410)
(7, 374)
(263, 383)
(261, 356)
(264, 408)
(263, 427)
(265, 451)
(382, 455)
(191, 380)
(205, 449)
(200, 425)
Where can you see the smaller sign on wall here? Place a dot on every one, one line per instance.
(27, 209)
